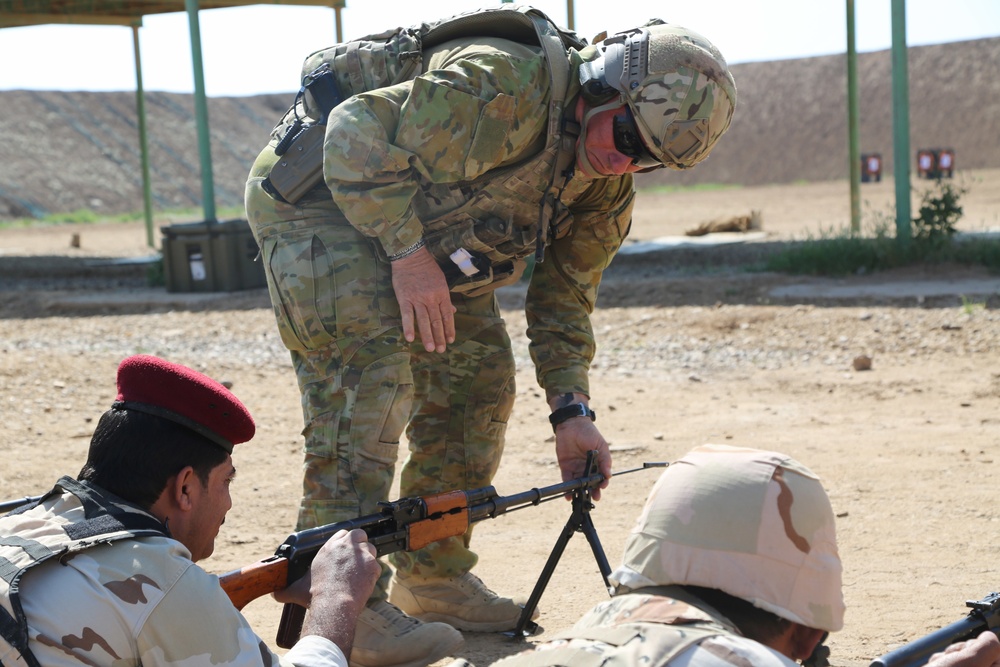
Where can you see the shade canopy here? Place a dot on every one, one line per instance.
(20, 13)
(26, 13)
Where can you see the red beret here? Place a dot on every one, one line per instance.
(157, 387)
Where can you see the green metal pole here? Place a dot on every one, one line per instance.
(570, 19)
(901, 122)
(201, 114)
(337, 6)
(140, 105)
(854, 152)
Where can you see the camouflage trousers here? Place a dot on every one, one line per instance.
(362, 384)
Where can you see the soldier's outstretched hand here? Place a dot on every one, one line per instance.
(424, 300)
(574, 438)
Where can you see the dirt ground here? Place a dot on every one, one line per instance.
(909, 450)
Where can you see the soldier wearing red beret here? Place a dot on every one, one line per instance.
(102, 570)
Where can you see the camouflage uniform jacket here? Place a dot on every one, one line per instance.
(91, 579)
(464, 141)
(651, 630)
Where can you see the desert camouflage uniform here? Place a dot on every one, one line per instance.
(464, 138)
(100, 584)
(653, 630)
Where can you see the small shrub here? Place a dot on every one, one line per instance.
(934, 241)
(939, 213)
(840, 252)
(79, 216)
(969, 307)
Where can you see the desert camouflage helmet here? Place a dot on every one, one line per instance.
(677, 85)
(755, 524)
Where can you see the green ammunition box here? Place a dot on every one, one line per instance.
(211, 256)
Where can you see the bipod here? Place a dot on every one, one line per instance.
(580, 521)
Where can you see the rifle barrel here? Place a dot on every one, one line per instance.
(918, 652)
(497, 505)
(10, 505)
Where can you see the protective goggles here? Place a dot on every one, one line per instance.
(628, 142)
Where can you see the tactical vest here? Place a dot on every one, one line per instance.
(480, 232)
(32, 535)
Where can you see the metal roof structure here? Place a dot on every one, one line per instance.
(21, 13)
(129, 13)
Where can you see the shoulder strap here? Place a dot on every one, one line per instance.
(530, 26)
(559, 68)
(105, 515)
(520, 24)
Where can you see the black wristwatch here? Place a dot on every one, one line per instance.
(570, 411)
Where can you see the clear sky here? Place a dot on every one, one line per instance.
(259, 49)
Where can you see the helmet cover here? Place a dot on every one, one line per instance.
(678, 86)
(755, 524)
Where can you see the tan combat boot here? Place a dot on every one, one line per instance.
(463, 602)
(386, 637)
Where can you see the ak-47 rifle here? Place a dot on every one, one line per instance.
(412, 523)
(985, 615)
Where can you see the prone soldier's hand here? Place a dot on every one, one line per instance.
(344, 573)
(348, 564)
(424, 299)
(983, 651)
(296, 593)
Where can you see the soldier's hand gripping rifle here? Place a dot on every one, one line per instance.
(413, 523)
(985, 615)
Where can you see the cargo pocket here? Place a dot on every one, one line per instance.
(381, 412)
(301, 286)
(491, 402)
(322, 284)
(323, 478)
(610, 227)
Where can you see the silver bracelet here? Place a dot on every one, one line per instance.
(406, 252)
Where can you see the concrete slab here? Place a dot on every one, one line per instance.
(149, 297)
(708, 240)
(831, 289)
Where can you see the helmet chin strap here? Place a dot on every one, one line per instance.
(582, 162)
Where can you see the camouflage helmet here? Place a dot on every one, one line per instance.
(676, 84)
(754, 524)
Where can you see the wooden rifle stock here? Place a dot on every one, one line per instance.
(246, 584)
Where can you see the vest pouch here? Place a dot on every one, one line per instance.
(448, 234)
(460, 283)
(372, 62)
(490, 278)
(475, 241)
(507, 273)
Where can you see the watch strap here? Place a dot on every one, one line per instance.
(560, 415)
